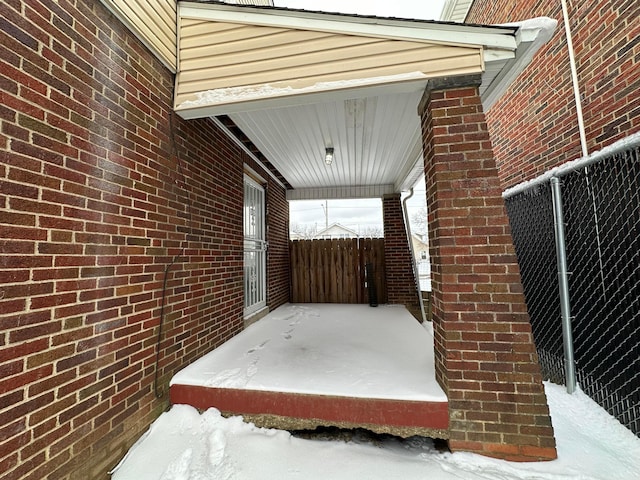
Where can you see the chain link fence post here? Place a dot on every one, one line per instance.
(563, 285)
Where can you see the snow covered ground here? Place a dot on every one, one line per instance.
(186, 445)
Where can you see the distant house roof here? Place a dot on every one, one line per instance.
(419, 241)
(336, 230)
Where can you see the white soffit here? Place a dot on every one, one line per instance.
(266, 3)
(532, 35)
(376, 142)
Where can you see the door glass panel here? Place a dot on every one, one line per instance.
(255, 247)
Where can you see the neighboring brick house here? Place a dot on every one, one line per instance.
(534, 126)
(121, 221)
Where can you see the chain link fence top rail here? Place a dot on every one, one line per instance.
(601, 202)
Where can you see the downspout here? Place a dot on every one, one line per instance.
(581, 130)
(574, 79)
(414, 264)
(583, 136)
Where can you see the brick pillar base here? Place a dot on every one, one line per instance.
(401, 284)
(485, 356)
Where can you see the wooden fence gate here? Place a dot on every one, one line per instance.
(333, 271)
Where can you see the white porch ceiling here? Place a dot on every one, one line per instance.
(376, 141)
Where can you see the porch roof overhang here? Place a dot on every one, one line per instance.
(296, 82)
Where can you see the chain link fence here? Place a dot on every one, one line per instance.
(601, 203)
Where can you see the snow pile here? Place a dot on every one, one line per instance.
(184, 445)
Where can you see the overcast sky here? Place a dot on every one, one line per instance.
(359, 215)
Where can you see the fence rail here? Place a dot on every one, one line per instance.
(333, 271)
(601, 204)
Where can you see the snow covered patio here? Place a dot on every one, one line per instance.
(304, 366)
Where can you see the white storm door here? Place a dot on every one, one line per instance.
(255, 248)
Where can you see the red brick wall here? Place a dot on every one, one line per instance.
(278, 266)
(102, 191)
(485, 356)
(534, 126)
(400, 281)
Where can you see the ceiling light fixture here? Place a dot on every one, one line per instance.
(328, 156)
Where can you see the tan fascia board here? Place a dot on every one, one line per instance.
(417, 31)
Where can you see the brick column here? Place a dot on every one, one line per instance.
(485, 356)
(401, 284)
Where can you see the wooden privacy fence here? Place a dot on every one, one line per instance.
(333, 271)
